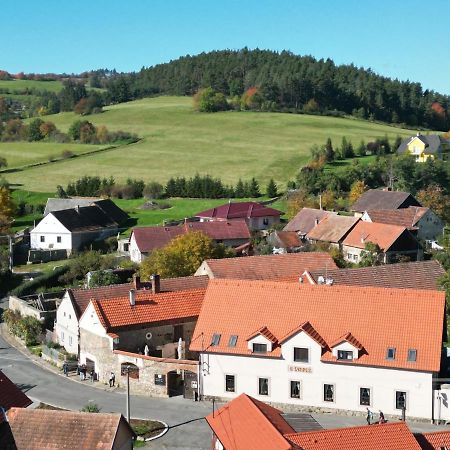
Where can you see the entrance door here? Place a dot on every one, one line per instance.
(174, 384)
(190, 385)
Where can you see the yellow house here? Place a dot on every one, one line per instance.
(423, 147)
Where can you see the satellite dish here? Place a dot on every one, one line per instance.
(148, 336)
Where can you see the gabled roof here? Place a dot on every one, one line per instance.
(410, 275)
(287, 239)
(239, 210)
(347, 337)
(380, 318)
(86, 218)
(247, 423)
(309, 330)
(332, 228)
(263, 331)
(432, 143)
(379, 199)
(434, 441)
(118, 313)
(81, 297)
(11, 395)
(404, 217)
(305, 220)
(380, 234)
(150, 238)
(387, 436)
(267, 267)
(36, 429)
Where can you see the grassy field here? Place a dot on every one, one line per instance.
(176, 141)
(19, 85)
(342, 165)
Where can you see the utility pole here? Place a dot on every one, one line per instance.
(128, 394)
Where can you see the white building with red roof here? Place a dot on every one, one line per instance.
(327, 347)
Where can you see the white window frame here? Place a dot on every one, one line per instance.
(225, 383)
(268, 386)
(370, 395)
(300, 393)
(70, 340)
(406, 399)
(323, 393)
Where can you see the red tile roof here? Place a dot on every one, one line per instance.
(289, 239)
(246, 423)
(347, 337)
(37, 429)
(305, 220)
(332, 228)
(268, 266)
(378, 318)
(238, 210)
(309, 330)
(404, 217)
(263, 331)
(410, 275)
(11, 395)
(81, 297)
(149, 308)
(388, 436)
(435, 440)
(151, 238)
(377, 233)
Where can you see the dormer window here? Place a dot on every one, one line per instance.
(215, 339)
(412, 355)
(345, 354)
(232, 341)
(390, 354)
(259, 348)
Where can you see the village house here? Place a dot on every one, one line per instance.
(330, 348)
(11, 396)
(305, 220)
(36, 429)
(375, 199)
(75, 301)
(420, 221)
(332, 230)
(144, 240)
(256, 215)
(284, 242)
(248, 423)
(265, 267)
(68, 230)
(146, 334)
(424, 147)
(393, 242)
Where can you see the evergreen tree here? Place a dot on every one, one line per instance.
(254, 189)
(329, 151)
(239, 191)
(271, 190)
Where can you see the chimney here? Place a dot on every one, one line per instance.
(137, 282)
(132, 297)
(156, 283)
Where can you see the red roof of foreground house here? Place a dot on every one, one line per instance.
(36, 429)
(81, 297)
(388, 436)
(240, 210)
(332, 228)
(434, 441)
(150, 238)
(404, 217)
(247, 423)
(377, 319)
(149, 308)
(377, 233)
(266, 267)
(11, 395)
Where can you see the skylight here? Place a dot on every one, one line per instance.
(412, 355)
(215, 339)
(390, 354)
(232, 341)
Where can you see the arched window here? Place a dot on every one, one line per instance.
(132, 369)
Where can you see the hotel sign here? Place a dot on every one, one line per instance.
(299, 369)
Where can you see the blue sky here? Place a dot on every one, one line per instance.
(404, 39)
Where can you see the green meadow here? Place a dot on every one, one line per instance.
(20, 85)
(177, 141)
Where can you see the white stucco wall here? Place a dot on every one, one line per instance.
(347, 379)
(430, 227)
(135, 253)
(50, 228)
(89, 321)
(66, 325)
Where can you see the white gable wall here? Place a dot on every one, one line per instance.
(259, 339)
(50, 229)
(66, 325)
(345, 346)
(89, 321)
(135, 254)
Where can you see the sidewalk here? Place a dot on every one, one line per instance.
(50, 367)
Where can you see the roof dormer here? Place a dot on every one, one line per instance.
(261, 341)
(346, 348)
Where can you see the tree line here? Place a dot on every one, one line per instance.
(267, 80)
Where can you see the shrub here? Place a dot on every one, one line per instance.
(66, 154)
(90, 408)
(47, 280)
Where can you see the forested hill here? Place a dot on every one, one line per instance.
(287, 82)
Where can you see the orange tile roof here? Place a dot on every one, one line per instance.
(347, 337)
(404, 217)
(309, 330)
(378, 318)
(269, 266)
(36, 429)
(11, 395)
(263, 331)
(117, 313)
(377, 233)
(435, 440)
(332, 228)
(246, 423)
(388, 436)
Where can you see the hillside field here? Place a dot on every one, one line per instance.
(176, 141)
(19, 85)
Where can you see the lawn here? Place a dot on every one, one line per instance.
(20, 85)
(176, 141)
(340, 166)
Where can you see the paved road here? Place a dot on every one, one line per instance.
(43, 385)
